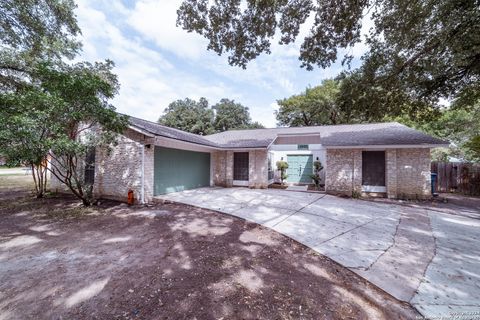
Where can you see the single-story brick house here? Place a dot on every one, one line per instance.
(151, 159)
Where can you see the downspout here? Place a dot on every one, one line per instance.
(353, 173)
(143, 173)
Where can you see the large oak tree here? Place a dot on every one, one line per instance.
(48, 104)
(199, 118)
(420, 51)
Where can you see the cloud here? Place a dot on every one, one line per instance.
(157, 62)
(149, 81)
(156, 20)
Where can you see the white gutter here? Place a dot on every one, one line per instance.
(271, 143)
(143, 175)
(145, 133)
(390, 146)
(306, 134)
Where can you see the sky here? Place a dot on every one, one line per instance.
(158, 63)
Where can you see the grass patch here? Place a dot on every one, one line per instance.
(17, 195)
(59, 206)
(16, 181)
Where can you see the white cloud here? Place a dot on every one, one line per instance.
(156, 20)
(158, 62)
(149, 82)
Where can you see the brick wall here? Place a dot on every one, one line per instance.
(407, 172)
(229, 169)
(344, 171)
(119, 169)
(391, 172)
(222, 162)
(219, 160)
(258, 169)
(413, 173)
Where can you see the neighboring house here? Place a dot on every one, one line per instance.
(151, 159)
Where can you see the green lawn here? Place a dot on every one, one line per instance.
(16, 181)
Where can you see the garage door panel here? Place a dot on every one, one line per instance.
(177, 170)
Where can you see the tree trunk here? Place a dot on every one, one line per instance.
(39, 174)
(66, 173)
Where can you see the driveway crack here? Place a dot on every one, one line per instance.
(292, 215)
(297, 211)
(433, 255)
(390, 246)
(341, 234)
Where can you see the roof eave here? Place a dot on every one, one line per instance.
(142, 131)
(389, 146)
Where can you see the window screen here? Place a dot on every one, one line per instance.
(240, 166)
(373, 168)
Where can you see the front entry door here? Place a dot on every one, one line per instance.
(300, 168)
(373, 168)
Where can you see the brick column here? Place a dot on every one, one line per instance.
(252, 172)
(229, 169)
(219, 168)
(261, 165)
(357, 171)
(391, 173)
(149, 167)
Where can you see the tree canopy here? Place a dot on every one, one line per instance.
(40, 28)
(199, 118)
(32, 32)
(189, 115)
(52, 111)
(418, 50)
(316, 106)
(232, 115)
(457, 124)
(56, 120)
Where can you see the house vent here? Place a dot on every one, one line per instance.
(302, 147)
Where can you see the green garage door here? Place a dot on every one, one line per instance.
(177, 170)
(300, 168)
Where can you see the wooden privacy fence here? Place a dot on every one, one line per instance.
(457, 177)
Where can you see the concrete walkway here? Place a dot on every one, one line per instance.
(429, 259)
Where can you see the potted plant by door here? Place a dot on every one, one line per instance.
(317, 168)
(282, 166)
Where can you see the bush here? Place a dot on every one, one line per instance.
(282, 166)
(317, 168)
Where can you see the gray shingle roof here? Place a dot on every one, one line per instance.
(391, 133)
(163, 131)
(374, 134)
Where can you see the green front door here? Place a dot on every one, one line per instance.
(300, 168)
(177, 170)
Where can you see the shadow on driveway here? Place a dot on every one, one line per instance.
(170, 261)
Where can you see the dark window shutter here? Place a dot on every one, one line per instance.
(373, 168)
(90, 167)
(240, 166)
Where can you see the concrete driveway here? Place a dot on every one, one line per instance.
(419, 255)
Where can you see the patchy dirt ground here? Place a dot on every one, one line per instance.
(59, 260)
